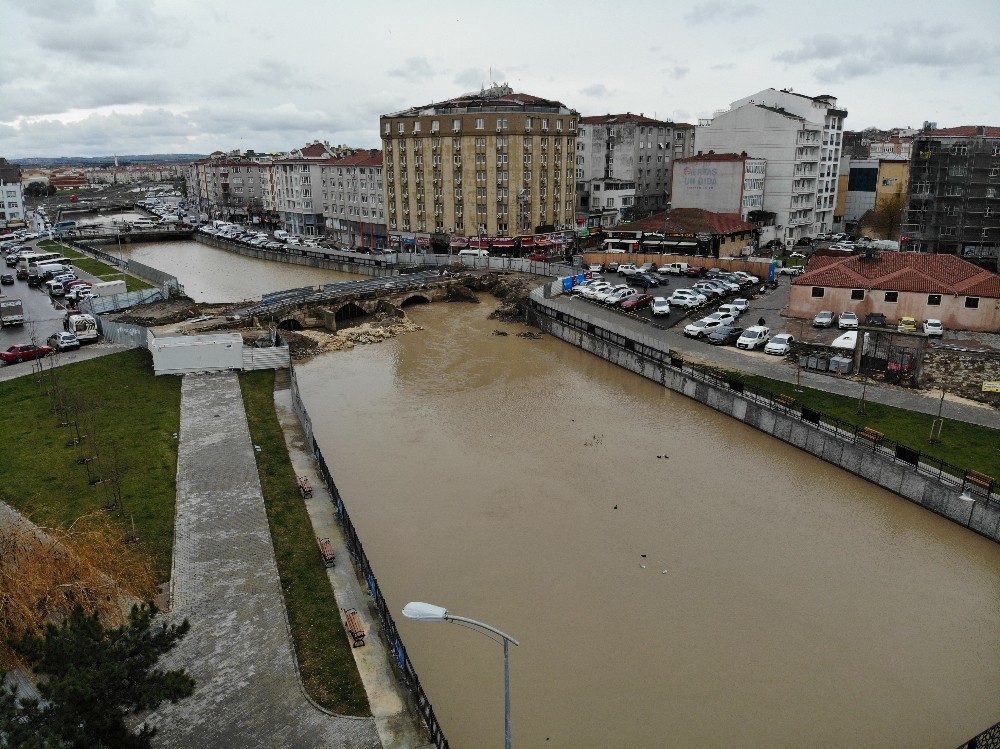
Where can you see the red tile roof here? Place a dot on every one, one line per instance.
(689, 221)
(902, 271)
(963, 131)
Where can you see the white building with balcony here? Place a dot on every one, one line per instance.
(800, 138)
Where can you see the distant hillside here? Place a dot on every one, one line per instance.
(153, 158)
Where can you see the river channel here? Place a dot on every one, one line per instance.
(675, 578)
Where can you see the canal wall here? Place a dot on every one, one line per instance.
(362, 265)
(949, 491)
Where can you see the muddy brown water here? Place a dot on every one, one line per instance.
(783, 602)
(743, 593)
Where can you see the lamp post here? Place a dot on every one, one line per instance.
(428, 612)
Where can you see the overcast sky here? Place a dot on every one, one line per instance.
(100, 77)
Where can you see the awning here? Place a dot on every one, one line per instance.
(543, 242)
(478, 244)
(527, 241)
(459, 242)
(503, 242)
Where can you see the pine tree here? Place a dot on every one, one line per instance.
(94, 678)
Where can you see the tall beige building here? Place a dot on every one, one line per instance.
(491, 165)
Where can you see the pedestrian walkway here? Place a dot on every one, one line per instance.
(225, 582)
(397, 727)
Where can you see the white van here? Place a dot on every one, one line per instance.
(677, 269)
(143, 223)
(473, 253)
(281, 235)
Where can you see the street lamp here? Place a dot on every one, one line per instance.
(428, 612)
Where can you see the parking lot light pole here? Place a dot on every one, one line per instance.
(428, 612)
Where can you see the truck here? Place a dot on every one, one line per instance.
(83, 326)
(11, 312)
(108, 288)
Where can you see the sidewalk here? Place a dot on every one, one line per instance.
(225, 582)
(397, 728)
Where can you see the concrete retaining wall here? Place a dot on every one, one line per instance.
(358, 268)
(938, 495)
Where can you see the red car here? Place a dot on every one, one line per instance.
(637, 303)
(696, 271)
(24, 352)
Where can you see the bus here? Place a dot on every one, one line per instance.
(32, 261)
(64, 226)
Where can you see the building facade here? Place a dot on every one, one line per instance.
(719, 182)
(800, 138)
(12, 215)
(954, 195)
(354, 200)
(493, 165)
(234, 186)
(630, 156)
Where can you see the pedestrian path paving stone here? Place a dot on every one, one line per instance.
(225, 581)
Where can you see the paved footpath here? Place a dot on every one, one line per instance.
(225, 581)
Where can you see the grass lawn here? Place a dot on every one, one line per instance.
(95, 267)
(132, 408)
(327, 666)
(962, 444)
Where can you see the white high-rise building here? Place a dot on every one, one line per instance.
(800, 137)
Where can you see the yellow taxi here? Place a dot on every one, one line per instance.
(907, 325)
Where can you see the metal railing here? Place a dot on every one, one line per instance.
(407, 673)
(971, 481)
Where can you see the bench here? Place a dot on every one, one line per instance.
(326, 551)
(305, 488)
(785, 400)
(871, 435)
(980, 479)
(354, 627)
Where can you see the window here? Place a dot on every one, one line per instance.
(991, 192)
(480, 123)
(818, 292)
(402, 128)
(972, 302)
(933, 300)
(435, 126)
(456, 125)
(416, 128)
(956, 170)
(959, 150)
(891, 297)
(947, 231)
(388, 128)
(857, 295)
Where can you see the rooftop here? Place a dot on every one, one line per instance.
(689, 221)
(623, 119)
(496, 98)
(964, 131)
(902, 271)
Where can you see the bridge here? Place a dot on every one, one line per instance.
(88, 207)
(325, 306)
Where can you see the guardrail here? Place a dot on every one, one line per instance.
(407, 673)
(971, 481)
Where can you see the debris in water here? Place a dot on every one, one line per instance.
(499, 332)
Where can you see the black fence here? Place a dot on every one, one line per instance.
(988, 739)
(407, 674)
(975, 483)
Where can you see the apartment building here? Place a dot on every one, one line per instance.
(868, 183)
(624, 165)
(354, 199)
(800, 138)
(493, 165)
(235, 186)
(720, 183)
(954, 196)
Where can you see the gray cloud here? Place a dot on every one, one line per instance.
(413, 69)
(719, 10)
(597, 91)
(680, 71)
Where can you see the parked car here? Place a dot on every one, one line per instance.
(637, 302)
(21, 274)
(63, 341)
(847, 321)
(824, 319)
(620, 296)
(725, 336)
(842, 247)
(696, 271)
(591, 291)
(708, 289)
(605, 294)
(643, 279)
(627, 269)
(748, 276)
(907, 325)
(24, 352)
(6, 279)
(780, 345)
(685, 300)
(660, 306)
(647, 268)
(741, 304)
(792, 270)
(726, 318)
(701, 328)
(754, 336)
(875, 320)
(933, 328)
(731, 309)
